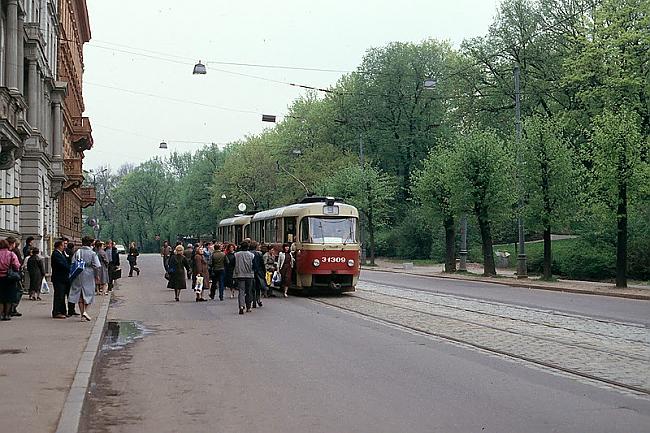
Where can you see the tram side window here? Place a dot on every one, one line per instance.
(289, 229)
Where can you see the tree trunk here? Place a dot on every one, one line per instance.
(371, 236)
(547, 252)
(621, 236)
(450, 244)
(489, 269)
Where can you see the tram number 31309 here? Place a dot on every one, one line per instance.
(333, 259)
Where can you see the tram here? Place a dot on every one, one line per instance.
(322, 232)
(234, 229)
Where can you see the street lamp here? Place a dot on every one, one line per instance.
(430, 83)
(199, 69)
(163, 145)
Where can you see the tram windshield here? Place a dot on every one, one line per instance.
(318, 230)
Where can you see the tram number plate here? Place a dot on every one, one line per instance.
(333, 260)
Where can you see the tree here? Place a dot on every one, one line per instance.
(548, 179)
(432, 190)
(480, 176)
(370, 190)
(617, 140)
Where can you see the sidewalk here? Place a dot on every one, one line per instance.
(507, 277)
(38, 361)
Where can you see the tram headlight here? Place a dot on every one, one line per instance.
(316, 263)
(351, 263)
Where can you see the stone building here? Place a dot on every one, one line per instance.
(77, 132)
(38, 107)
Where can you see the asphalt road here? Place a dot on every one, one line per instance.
(605, 307)
(297, 365)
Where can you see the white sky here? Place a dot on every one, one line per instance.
(332, 34)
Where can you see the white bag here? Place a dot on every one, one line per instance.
(198, 288)
(45, 288)
(277, 279)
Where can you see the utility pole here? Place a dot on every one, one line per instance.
(362, 163)
(522, 268)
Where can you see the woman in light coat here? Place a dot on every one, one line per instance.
(82, 289)
(285, 265)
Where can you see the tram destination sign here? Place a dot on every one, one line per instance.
(10, 201)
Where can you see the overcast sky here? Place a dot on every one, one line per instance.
(139, 88)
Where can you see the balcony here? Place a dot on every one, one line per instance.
(82, 134)
(74, 173)
(88, 196)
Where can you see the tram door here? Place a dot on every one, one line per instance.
(290, 231)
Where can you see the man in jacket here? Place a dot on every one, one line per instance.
(244, 276)
(69, 255)
(113, 262)
(217, 266)
(60, 280)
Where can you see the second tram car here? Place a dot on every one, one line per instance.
(234, 229)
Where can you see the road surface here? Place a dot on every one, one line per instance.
(400, 355)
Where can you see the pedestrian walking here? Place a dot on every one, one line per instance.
(9, 276)
(229, 268)
(60, 280)
(285, 265)
(188, 252)
(165, 253)
(259, 285)
(200, 269)
(36, 272)
(18, 293)
(69, 254)
(101, 274)
(244, 276)
(217, 269)
(132, 258)
(177, 266)
(82, 288)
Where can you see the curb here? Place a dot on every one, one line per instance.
(71, 413)
(522, 284)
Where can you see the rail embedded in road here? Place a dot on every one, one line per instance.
(607, 352)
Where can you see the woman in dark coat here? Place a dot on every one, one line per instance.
(36, 272)
(176, 268)
(229, 267)
(200, 268)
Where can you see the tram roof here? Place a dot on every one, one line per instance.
(301, 209)
(236, 220)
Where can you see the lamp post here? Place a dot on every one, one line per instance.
(522, 268)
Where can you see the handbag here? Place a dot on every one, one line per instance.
(117, 273)
(13, 276)
(78, 265)
(277, 278)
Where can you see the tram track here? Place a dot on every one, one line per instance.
(611, 367)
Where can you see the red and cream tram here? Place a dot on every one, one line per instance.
(323, 237)
(234, 229)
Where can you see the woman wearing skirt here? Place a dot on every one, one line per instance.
(82, 289)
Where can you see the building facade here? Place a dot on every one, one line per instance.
(42, 131)
(77, 132)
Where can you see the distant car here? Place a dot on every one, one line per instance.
(120, 249)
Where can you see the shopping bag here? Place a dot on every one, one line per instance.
(78, 265)
(269, 278)
(198, 288)
(45, 288)
(277, 279)
(117, 273)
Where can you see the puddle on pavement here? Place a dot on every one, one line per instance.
(12, 351)
(120, 333)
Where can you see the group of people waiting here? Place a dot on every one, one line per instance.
(251, 268)
(101, 268)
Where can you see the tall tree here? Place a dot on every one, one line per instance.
(433, 192)
(481, 180)
(549, 179)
